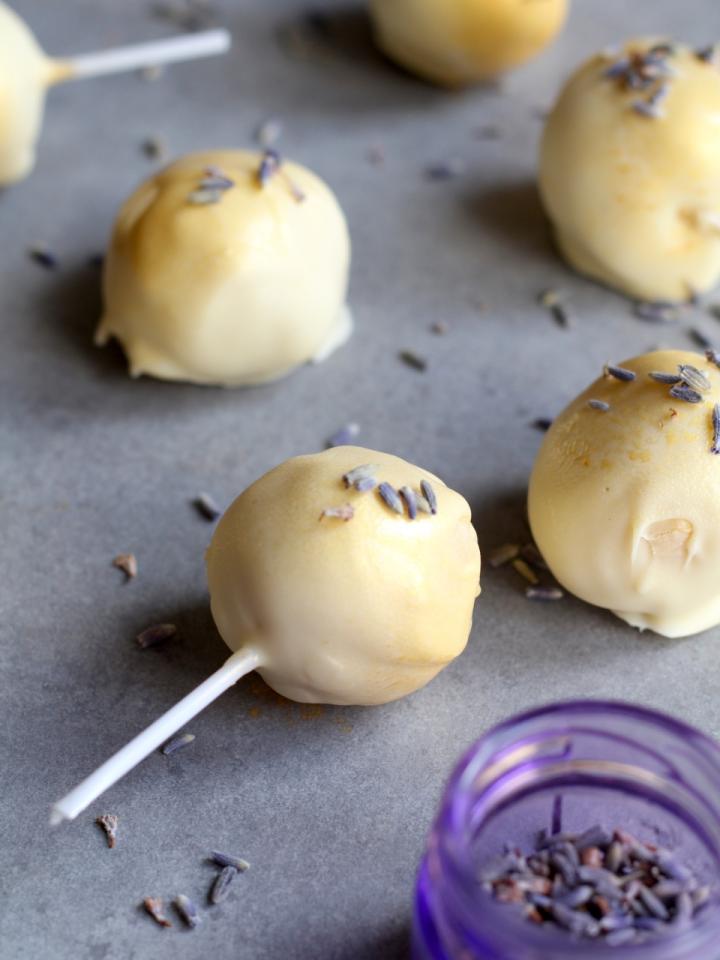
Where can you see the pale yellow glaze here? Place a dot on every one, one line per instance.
(625, 505)
(353, 612)
(461, 42)
(233, 293)
(635, 201)
(24, 75)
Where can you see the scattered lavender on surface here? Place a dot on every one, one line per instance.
(155, 635)
(619, 373)
(268, 133)
(652, 107)
(344, 436)
(410, 498)
(700, 338)
(108, 822)
(597, 885)
(43, 257)
(599, 405)
(656, 311)
(391, 497)
(361, 475)
(206, 507)
(446, 169)
(544, 593)
(429, 494)
(541, 423)
(553, 301)
(422, 504)
(188, 911)
(411, 359)
(269, 166)
(662, 377)
(503, 554)
(153, 148)
(707, 54)
(221, 884)
(682, 392)
(177, 743)
(715, 448)
(694, 378)
(713, 356)
(154, 906)
(227, 860)
(526, 571)
(127, 563)
(344, 512)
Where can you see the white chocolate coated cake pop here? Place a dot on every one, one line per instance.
(25, 73)
(460, 42)
(344, 577)
(624, 502)
(630, 170)
(227, 267)
(357, 608)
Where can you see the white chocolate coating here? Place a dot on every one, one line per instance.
(235, 292)
(625, 506)
(351, 612)
(460, 42)
(635, 200)
(24, 74)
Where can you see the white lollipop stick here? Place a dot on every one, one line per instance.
(239, 664)
(153, 54)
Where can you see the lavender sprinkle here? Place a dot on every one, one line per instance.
(188, 911)
(227, 860)
(659, 311)
(446, 169)
(599, 405)
(410, 499)
(542, 423)
(366, 484)
(682, 392)
(715, 448)
(108, 822)
(713, 356)
(364, 472)
(694, 378)
(269, 166)
(620, 373)
(177, 743)
(411, 359)
(429, 494)
(660, 377)
(43, 257)
(544, 594)
(221, 885)
(345, 512)
(154, 906)
(344, 436)
(156, 634)
(206, 507)
(391, 497)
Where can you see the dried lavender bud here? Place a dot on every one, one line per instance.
(542, 423)
(177, 743)
(204, 198)
(188, 911)
(344, 436)
(269, 166)
(391, 498)
(652, 106)
(553, 301)
(108, 822)
(446, 169)
(599, 405)
(620, 373)
(706, 54)
(694, 378)
(226, 860)
(364, 472)
(411, 359)
(127, 563)
(159, 633)
(526, 571)
(503, 554)
(410, 499)
(206, 507)
(221, 885)
(682, 392)
(429, 494)
(661, 377)
(544, 594)
(713, 356)
(345, 512)
(658, 311)
(715, 448)
(153, 148)
(43, 257)
(365, 484)
(422, 504)
(154, 906)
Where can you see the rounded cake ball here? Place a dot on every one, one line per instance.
(352, 572)
(630, 170)
(227, 267)
(456, 43)
(25, 73)
(623, 500)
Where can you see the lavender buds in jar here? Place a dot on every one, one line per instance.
(579, 830)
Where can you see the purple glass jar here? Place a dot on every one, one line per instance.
(611, 763)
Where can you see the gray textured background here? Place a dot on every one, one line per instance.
(330, 805)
